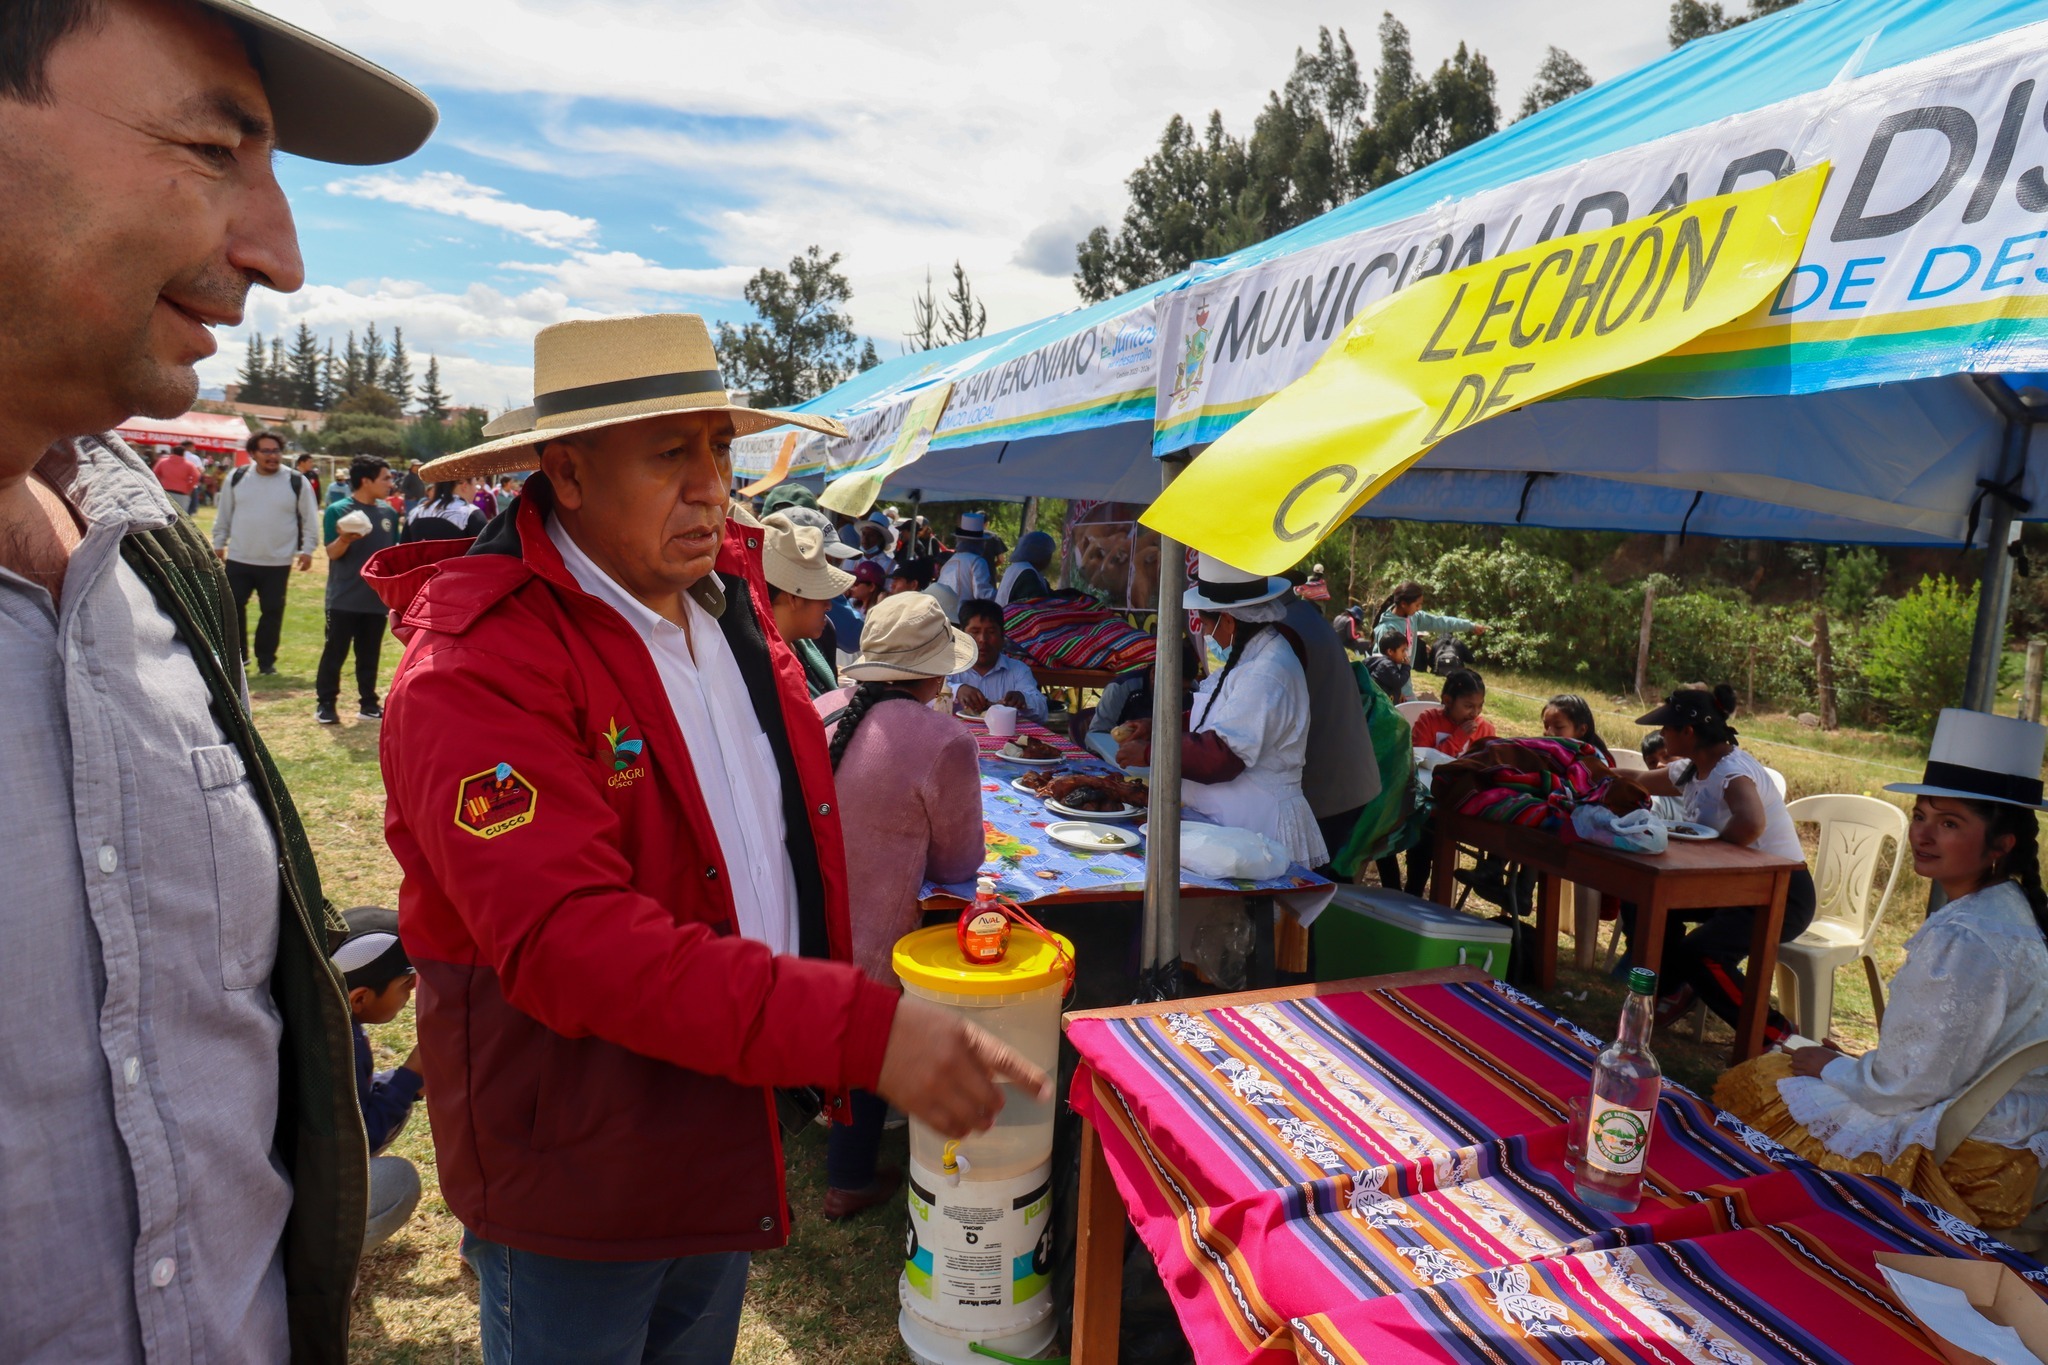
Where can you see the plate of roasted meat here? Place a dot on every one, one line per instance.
(1094, 796)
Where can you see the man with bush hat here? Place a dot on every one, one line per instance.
(624, 874)
(182, 1162)
(802, 584)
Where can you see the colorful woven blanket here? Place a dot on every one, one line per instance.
(1069, 630)
(1380, 1176)
(1531, 782)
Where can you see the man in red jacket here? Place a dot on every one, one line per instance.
(625, 887)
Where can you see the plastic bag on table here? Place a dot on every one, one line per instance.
(1225, 851)
(1640, 831)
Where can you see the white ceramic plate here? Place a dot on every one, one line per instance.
(1685, 829)
(1126, 813)
(1001, 757)
(1089, 837)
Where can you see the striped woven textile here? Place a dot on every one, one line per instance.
(1381, 1176)
(1070, 631)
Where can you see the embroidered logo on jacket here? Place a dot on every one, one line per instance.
(494, 802)
(627, 767)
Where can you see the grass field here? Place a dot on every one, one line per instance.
(830, 1297)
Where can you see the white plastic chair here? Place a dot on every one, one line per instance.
(1853, 830)
(1778, 781)
(1411, 709)
(1968, 1109)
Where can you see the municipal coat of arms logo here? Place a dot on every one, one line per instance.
(495, 801)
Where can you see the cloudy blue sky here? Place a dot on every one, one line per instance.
(598, 157)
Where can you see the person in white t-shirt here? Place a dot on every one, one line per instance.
(1726, 788)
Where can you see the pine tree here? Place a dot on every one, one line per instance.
(351, 369)
(304, 372)
(254, 377)
(1559, 78)
(333, 378)
(433, 402)
(966, 316)
(925, 332)
(373, 356)
(277, 373)
(398, 370)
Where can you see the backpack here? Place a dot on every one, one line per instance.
(1449, 655)
(298, 508)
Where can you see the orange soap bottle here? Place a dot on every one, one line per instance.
(984, 928)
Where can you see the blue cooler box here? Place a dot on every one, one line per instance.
(1370, 930)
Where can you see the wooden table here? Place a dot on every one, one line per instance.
(1099, 1246)
(1097, 678)
(1689, 875)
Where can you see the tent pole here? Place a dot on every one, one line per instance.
(1994, 591)
(1159, 960)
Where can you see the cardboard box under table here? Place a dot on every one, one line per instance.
(1372, 929)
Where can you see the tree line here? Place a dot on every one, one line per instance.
(367, 376)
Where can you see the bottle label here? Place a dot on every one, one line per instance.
(984, 937)
(1617, 1138)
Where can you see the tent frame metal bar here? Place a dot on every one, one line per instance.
(1994, 592)
(1159, 956)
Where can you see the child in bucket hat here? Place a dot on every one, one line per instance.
(1972, 992)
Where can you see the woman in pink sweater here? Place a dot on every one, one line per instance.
(910, 801)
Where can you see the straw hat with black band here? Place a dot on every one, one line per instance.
(591, 375)
(1979, 757)
(327, 103)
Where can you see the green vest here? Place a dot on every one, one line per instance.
(319, 1120)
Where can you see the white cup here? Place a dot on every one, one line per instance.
(1002, 720)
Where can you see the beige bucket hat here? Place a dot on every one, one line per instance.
(793, 559)
(591, 375)
(908, 636)
(329, 104)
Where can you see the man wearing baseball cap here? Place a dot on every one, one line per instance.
(184, 1170)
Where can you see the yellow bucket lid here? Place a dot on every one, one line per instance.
(931, 960)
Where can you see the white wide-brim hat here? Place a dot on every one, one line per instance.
(1221, 587)
(1980, 757)
(908, 636)
(606, 373)
(793, 559)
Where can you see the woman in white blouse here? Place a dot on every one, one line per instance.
(1725, 788)
(1973, 988)
(1247, 736)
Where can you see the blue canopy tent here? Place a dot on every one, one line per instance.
(1885, 396)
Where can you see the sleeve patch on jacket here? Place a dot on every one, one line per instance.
(495, 801)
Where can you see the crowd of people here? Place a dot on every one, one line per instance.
(663, 771)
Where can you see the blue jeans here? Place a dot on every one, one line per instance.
(549, 1310)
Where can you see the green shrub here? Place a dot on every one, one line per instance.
(1918, 651)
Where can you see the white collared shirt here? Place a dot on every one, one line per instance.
(1010, 674)
(734, 762)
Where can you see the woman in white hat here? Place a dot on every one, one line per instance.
(1973, 988)
(909, 782)
(1247, 738)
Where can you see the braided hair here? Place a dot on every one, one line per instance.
(1247, 631)
(2023, 864)
(865, 698)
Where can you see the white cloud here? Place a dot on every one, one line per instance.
(904, 133)
(444, 192)
(623, 279)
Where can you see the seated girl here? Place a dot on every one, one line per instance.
(1973, 988)
(1457, 724)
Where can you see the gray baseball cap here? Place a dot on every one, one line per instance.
(329, 104)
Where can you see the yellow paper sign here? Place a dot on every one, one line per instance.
(853, 494)
(778, 473)
(1461, 347)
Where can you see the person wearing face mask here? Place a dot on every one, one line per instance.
(1246, 743)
